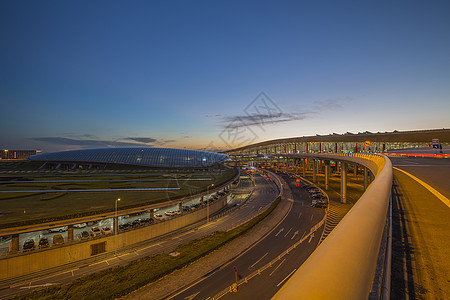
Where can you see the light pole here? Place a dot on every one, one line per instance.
(207, 204)
(116, 228)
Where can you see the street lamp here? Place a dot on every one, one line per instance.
(207, 204)
(116, 228)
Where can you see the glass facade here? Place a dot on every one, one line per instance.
(152, 157)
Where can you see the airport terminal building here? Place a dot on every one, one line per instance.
(144, 157)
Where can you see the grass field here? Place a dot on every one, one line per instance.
(20, 208)
(119, 281)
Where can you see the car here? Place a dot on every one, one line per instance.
(170, 213)
(84, 235)
(136, 223)
(95, 231)
(159, 217)
(176, 212)
(28, 245)
(147, 220)
(319, 203)
(58, 229)
(43, 243)
(317, 196)
(106, 230)
(81, 225)
(58, 239)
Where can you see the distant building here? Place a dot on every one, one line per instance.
(17, 154)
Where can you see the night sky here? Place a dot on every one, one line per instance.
(218, 74)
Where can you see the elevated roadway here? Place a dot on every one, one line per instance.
(421, 220)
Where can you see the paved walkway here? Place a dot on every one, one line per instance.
(195, 271)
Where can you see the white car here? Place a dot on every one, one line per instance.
(82, 225)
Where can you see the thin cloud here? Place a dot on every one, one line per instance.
(238, 121)
(145, 140)
(85, 143)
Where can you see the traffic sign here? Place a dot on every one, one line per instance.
(367, 144)
(435, 143)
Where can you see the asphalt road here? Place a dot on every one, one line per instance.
(294, 227)
(264, 194)
(421, 219)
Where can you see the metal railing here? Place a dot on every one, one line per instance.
(343, 266)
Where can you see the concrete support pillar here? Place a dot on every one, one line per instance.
(314, 165)
(14, 244)
(366, 178)
(303, 168)
(343, 182)
(70, 233)
(152, 213)
(180, 206)
(327, 174)
(356, 170)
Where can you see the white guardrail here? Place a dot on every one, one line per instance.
(343, 266)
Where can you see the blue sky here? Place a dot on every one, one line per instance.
(198, 74)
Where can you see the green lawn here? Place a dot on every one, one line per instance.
(27, 208)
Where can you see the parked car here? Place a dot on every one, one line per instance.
(81, 225)
(43, 243)
(28, 245)
(319, 203)
(147, 220)
(159, 217)
(84, 235)
(58, 239)
(95, 231)
(106, 230)
(58, 229)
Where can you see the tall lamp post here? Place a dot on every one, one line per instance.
(207, 204)
(116, 228)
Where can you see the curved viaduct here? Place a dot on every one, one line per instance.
(344, 265)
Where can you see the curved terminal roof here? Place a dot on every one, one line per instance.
(152, 157)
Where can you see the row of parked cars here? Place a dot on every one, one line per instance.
(136, 223)
(318, 198)
(43, 243)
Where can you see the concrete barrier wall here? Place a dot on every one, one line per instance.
(56, 256)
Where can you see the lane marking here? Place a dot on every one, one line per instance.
(441, 197)
(312, 216)
(295, 233)
(277, 267)
(299, 215)
(288, 232)
(281, 230)
(259, 260)
(303, 235)
(191, 296)
(310, 238)
(286, 277)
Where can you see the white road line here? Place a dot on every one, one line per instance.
(299, 215)
(295, 233)
(259, 260)
(148, 247)
(286, 277)
(288, 232)
(312, 216)
(277, 267)
(310, 238)
(303, 235)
